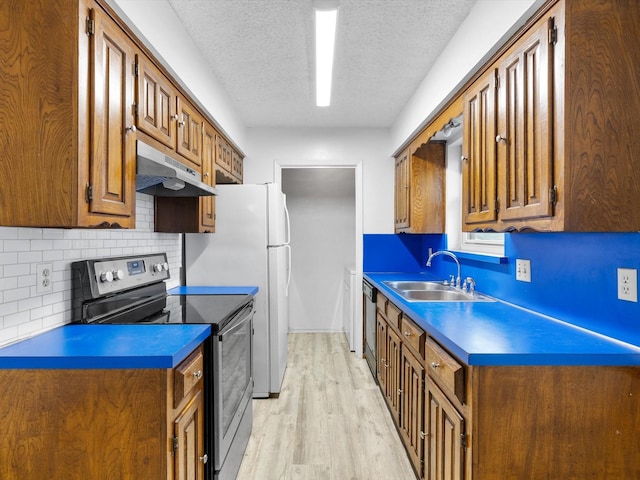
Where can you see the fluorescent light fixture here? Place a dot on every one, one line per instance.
(325, 41)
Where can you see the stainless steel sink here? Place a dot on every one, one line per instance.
(423, 291)
(416, 285)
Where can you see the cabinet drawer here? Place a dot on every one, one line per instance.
(413, 335)
(445, 369)
(187, 375)
(394, 316)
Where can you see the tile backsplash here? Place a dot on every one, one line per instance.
(24, 312)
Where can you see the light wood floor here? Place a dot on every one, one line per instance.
(329, 423)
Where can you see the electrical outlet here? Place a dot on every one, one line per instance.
(44, 278)
(523, 270)
(628, 284)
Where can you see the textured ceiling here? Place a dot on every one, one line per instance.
(262, 53)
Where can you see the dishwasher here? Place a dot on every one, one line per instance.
(369, 294)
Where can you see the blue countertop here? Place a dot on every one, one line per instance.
(498, 333)
(105, 346)
(115, 346)
(208, 290)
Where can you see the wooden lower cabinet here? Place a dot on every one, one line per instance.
(412, 410)
(445, 436)
(393, 387)
(103, 424)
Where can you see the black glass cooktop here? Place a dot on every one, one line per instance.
(215, 310)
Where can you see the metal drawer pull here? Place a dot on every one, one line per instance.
(423, 435)
(435, 365)
(197, 374)
(204, 458)
(407, 334)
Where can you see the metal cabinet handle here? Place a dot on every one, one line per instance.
(399, 391)
(407, 334)
(174, 116)
(197, 374)
(423, 435)
(204, 458)
(500, 138)
(435, 365)
(464, 158)
(131, 129)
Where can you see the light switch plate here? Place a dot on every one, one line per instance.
(523, 270)
(628, 284)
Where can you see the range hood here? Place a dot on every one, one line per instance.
(163, 176)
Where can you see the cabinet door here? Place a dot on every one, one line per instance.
(412, 412)
(112, 170)
(189, 132)
(236, 165)
(402, 191)
(394, 374)
(223, 157)
(156, 103)
(189, 441)
(445, 429)
(479, 191)
(207, 204)
(381, 351)
(525, 127)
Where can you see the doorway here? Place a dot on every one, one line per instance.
(322, 208)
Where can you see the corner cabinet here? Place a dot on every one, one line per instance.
(420, 189)
(550, 127)
(104, 424)
(65, 136)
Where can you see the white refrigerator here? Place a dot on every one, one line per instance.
(250, 246)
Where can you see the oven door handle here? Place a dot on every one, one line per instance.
(240, 319)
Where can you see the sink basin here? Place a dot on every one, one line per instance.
(423, 291)
(416, 285)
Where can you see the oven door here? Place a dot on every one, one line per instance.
(232, 380)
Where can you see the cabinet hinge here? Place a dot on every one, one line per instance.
(553, 32)
(463, 440)
(88, 194)
(90, 26)
(497, 82)
(134, 109)
(174, 445)
(135, 69)
(553, 195)
(497, 205)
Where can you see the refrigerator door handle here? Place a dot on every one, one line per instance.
(287, 238)
(286, 290)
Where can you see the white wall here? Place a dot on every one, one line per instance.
(485, 25)
(157, 22)
(321, 203)
(370, 148)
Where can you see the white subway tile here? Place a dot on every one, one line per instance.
(16, 319)
(42, 245)
(29, 303)
(8, 233)
(8, 308)
(17, 269)
(29, 328)
(16, 294)
(30, 233)
(41, 312)
(16, 246)
(8, 283)
(29, 257)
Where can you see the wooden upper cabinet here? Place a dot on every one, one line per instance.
(525, 125)
(189, 126)
(565, 127)
(68, 159)
(237, 166)
(156, 103)
(207, 204)
(112, 137)
(479, 164)
(420, 189)
(402, 191)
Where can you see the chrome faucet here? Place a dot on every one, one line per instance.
(446, 252)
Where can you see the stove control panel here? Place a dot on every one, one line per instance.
(106, 276)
